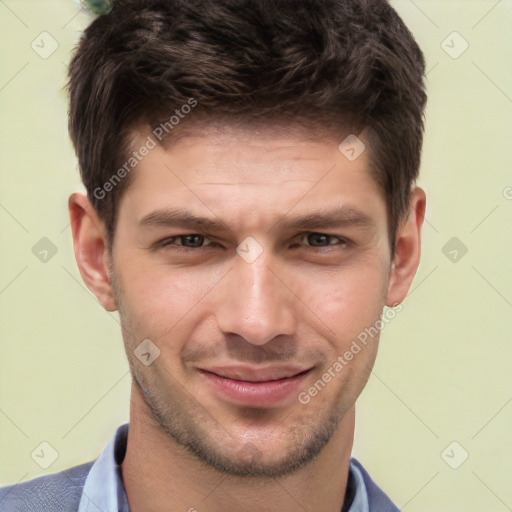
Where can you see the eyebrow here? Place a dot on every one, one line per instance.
(335, 218)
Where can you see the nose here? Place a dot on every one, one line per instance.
(255, 302)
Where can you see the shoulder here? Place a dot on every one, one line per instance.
(59, 491)
(378, 501)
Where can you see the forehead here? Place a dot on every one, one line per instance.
(241, 170)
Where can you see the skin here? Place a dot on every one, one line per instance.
(302, 302)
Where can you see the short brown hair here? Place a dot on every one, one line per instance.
(327, 63)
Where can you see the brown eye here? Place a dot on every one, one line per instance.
(321, 239)
(188, 241)
(192, 240)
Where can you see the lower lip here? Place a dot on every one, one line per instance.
(255, 394)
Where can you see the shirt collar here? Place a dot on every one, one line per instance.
(104, 490)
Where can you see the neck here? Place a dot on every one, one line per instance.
(160, 475)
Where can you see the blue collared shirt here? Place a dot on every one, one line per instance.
(104, 490)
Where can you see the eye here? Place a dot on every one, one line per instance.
(188, 241)
(322, 240)
(191, 241)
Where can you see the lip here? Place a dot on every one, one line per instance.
(255, 387)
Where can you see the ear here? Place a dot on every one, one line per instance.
(91, 249)
(407, 250)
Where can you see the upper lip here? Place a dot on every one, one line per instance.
(253, 374)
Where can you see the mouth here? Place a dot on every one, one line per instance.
(255, 387)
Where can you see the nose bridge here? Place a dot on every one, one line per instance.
(255, 303)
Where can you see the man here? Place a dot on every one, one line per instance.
(251, 210)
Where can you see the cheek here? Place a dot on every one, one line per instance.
(347, 302)
(158, 299)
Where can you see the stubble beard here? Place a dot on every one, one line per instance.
(191, 426)
(187, 423)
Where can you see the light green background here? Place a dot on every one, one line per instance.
(443, 371)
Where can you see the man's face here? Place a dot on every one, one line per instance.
(250, 312)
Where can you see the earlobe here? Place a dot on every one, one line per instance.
(91, 249)
(407, 250)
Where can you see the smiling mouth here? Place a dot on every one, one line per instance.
(263, 388)
(258, 379)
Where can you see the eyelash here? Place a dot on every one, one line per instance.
(168, 242)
